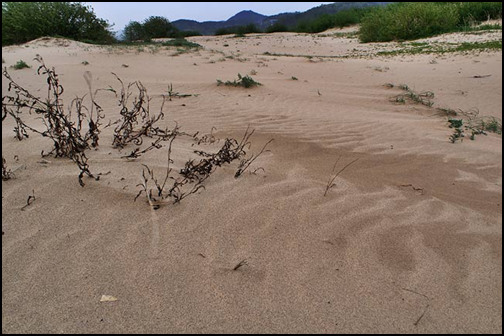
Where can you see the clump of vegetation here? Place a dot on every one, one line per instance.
(414, 20)
(277, 27)
(239, 30)
(126, 131)
(423, 98)
(340, 19)
(20, 65)
(7, 174)
(67, 134)
(492, 124)
(458, 133)
(246, 82)
(181, 42)
(473, 123)
(191, 177)
(26, 21)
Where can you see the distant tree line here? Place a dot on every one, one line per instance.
(25, 21)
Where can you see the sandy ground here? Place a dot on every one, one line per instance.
(408, 240)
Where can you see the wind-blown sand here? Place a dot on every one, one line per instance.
(409, 240)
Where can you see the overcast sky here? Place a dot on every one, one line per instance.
(121, 13)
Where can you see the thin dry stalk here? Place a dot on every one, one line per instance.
(330, 183)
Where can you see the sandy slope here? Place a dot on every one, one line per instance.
(409, 240)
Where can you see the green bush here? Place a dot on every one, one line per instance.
(246, 82)
(414, 20)
(340, 19)
(239, 30)
(26, 21)
(20, 65)
(408, 21)
(276, 28)
(181, 42)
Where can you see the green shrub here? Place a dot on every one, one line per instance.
(276, 28)
(239, 30)
(246, 82)
(414, 20)
(20, 65)
(408, 21)
(181, 42)
(26, 21)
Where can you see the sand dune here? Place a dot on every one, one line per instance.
(408, 240)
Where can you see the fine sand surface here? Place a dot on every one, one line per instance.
(408, 240)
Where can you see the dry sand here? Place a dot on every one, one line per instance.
(409, 240)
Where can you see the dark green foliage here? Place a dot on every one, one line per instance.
(246, 82)
(181, 42)
(154, 27)
(475, 12)
(26, 21)
(241, 30)
(134, 31)
(341, 19)
(458, 133)
(188, 33)
(414, 20)
(488, 45)
(20, 65)
(276, 28)
(492, 125)
(158, 27)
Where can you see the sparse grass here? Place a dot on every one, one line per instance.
(437, 48)
(423, 98)
(473, 123)
(332, 178)
(481, 46)
(491, 124)
(243, 81)
(267, 53)
(20, 65)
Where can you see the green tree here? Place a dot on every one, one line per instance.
(134, 31)
(158, 26)
(25, 21)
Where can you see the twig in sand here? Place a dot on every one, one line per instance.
(421, 190)
(240, 264)
(425, 308)
(30, 200)
(330, 183)
(244, 164)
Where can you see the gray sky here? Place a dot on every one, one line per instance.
(121, 13)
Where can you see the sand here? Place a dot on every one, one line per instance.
(408, 240)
